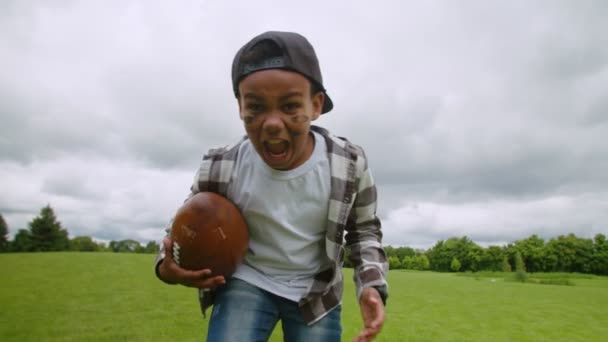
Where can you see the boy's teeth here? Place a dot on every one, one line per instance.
(276, 146)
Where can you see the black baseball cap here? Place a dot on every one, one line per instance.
(297, 55)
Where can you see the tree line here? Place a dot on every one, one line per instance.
(565, 253)
(45, 233)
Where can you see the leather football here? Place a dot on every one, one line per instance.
(208, 231)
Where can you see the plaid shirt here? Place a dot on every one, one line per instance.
(352, 210)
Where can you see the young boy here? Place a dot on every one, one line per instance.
(301, 190)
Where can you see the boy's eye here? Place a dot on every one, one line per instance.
(291, 107)
(254, 107)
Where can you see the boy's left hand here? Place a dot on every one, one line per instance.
(372, 311)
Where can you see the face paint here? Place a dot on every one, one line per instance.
(277, 109)
(248, 119)
(300, 118)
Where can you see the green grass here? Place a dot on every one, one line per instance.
(116, 297)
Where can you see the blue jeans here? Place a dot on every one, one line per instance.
(245, 313)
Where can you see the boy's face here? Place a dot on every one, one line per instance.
(277, 108)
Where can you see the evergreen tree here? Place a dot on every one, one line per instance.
(520, 268)
(22, 242)
(506, 266)
(47, 233)
(3, 235)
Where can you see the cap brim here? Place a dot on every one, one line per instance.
(328, 104)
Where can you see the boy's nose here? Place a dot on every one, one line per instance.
(273, 123)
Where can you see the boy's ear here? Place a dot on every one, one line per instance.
(317, 104)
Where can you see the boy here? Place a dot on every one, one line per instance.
(300, 190)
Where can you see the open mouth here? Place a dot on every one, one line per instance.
(276, 149)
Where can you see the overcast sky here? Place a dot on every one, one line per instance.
(480, 118)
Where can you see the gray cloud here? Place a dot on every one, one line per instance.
(467, 111)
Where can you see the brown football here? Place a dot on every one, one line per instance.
(209, 231)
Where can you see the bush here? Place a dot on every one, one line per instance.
(566, 282)
(520, 269)
(455, 265)
(521, 276)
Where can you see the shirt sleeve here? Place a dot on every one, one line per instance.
(364, 236)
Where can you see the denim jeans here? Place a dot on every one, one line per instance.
(245, 313)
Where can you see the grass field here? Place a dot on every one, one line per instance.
(115, 297)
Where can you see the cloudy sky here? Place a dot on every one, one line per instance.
(480, 118)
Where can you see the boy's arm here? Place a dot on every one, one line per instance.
(165, 267)
(171, 273)
(364, 237)
(160, 257)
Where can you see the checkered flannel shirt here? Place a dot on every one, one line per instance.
(352, 211)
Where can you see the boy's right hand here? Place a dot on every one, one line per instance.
(170, 272)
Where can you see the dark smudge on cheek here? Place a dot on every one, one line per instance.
(299, 118)
(299, 131)
(248, 119)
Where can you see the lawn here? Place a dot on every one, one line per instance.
(116, 297)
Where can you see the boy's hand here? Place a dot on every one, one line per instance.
(170, 272)
(372, 311)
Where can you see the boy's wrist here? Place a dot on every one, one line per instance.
(382, 291)
(157, 270)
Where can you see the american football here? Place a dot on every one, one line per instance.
(208, 231)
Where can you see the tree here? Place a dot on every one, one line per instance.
(468, 253)
(506, 266)
(22, 242)
(152, 247)
(600, 255)
(47, 233)
(492, 259)
(520, 268)
(440, 256)
(125, 246)
(572, 254)
(401, 252)
(532, 251)
(3, 235)
(394, 263)
(407, 262)
(455, 265)
(102, 247)
(420, 262)
(83, 244)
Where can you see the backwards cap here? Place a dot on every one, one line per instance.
(297, 55)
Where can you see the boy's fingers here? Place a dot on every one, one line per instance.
(201, 274)
(210, 283)
(199, 278)
(195, 276)
(366, 335)
(216, 281)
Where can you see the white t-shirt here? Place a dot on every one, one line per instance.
(286, 212)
